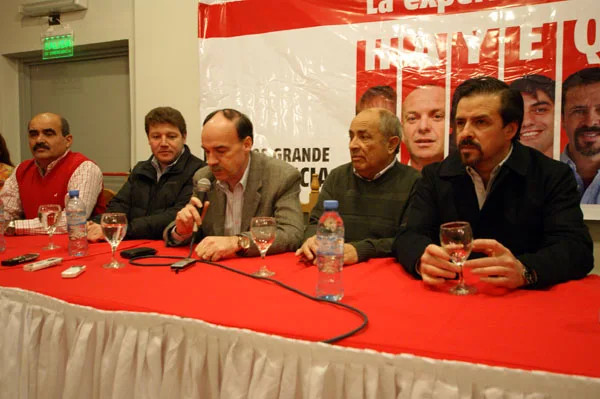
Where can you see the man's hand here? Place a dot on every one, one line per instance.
(308, 251)
(436, 267)
(350, 255)
(94, 232)
(189, 215)
(214, 248)
(500, 268)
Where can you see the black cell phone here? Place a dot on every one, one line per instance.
(182, 264)
(137, 252)
(20, 259)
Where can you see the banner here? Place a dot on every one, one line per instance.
(301, 69)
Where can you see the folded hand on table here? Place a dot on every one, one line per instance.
(435, 266)
(308, 252)
(499, 268)
(215, 248)
(94, 232)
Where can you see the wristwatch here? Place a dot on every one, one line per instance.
(243, 244)
(529, 275)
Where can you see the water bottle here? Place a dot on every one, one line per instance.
(76, 225)
(2, 227)
(330, 253)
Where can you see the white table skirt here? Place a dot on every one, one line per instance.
(53, 349)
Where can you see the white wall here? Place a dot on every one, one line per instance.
(165, 61)
(163, 47)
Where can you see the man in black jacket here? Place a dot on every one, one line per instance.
(523, 206)
(160, 186)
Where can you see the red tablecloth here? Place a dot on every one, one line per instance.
(556, 330)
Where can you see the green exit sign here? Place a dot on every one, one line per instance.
(59, 46)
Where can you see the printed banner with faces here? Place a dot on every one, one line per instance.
(302, 69)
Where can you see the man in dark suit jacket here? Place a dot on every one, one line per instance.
(523, 206)
(244, 184)
(158, 187)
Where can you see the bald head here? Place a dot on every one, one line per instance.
(49, 138)
(374, 139)
(423, 122)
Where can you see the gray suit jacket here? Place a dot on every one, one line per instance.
(272, 189)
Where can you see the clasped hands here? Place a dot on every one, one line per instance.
(308, 252)
(213, 248)
(500, 268)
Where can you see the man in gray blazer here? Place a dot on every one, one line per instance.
(244, 184)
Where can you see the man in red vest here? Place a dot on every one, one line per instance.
(46, 179)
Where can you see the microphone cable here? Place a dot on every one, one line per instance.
(192, 261)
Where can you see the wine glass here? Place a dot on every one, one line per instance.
(49, 216)
(114, 227)
(263, 230)
(457, 239)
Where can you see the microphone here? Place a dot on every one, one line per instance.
(202, 188)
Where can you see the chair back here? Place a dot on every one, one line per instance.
(313, 196)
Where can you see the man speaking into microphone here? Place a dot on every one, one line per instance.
(245, 184)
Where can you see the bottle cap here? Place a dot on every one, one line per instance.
(330, 205)
(73, 193)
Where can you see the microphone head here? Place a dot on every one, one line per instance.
(203, 185)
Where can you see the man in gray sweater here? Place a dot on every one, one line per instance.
(373, 190)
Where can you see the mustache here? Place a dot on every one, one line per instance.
(41, 145)
(587, 129)
(468, 141)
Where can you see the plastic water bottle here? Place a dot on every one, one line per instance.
(2, 227)
(76, 225)
(330, 253)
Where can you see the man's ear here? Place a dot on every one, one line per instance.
(511, 129)
(393, 143)
(69, 139)
(247, 143)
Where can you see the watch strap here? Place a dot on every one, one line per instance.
(529, 275)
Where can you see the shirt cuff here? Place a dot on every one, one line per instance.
(178, 238)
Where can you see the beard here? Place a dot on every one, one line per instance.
(586, 148)
(470, 158)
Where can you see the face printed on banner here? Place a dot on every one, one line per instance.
(166, 142)
(371, 151)
(423, 114)
(226, 155)
(379, 102)
(482, 140)
(378, 97)
(46, 140)
(581, 119)
(537, 130)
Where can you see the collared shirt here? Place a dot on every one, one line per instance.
(480, 189)
(156, 165)
(235, 203)
(379, 174)
(87, 178)
(589, 195)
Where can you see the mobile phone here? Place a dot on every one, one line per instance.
(137, 252)
(20, 259)
(182, 264)
(73, 271)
